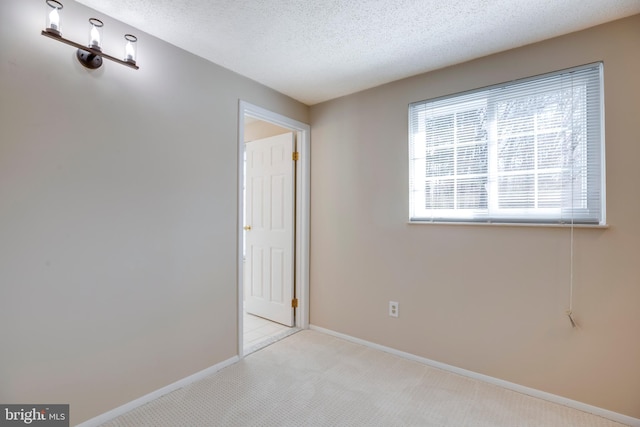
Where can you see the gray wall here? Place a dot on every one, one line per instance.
(489, 299)
(118, 219)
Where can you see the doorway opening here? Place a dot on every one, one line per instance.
(273, 218)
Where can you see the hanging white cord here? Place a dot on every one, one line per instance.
(570, 311)
(571, 272)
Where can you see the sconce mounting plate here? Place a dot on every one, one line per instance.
(89, 59)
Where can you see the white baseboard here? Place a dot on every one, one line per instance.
(108, 416)
(614, 416)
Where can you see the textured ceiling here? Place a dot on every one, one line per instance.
(317, 50)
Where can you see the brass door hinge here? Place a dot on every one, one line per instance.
(296, 156)
(294, 303)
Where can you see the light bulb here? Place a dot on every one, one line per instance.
(54, 19)
(130, 48)
(95, 37)
(130, 53)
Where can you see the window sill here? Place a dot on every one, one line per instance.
(509, 224)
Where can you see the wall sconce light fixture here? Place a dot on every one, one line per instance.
(91, 55)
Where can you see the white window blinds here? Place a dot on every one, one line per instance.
(528, 151)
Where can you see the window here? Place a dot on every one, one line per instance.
(528, 151)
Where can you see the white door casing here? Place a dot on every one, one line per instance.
(302, 211)
(269, 228)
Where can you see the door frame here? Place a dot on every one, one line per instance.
(302, 210)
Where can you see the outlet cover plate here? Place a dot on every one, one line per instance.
(394, 308)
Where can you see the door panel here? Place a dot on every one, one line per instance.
(269, 229)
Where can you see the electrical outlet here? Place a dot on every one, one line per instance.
(393, 308)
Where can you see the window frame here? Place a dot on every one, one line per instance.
(464, 101)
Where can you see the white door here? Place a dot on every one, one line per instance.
(269, 228)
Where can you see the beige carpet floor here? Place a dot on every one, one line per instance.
(313, 379)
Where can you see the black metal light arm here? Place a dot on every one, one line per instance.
(92, 54)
